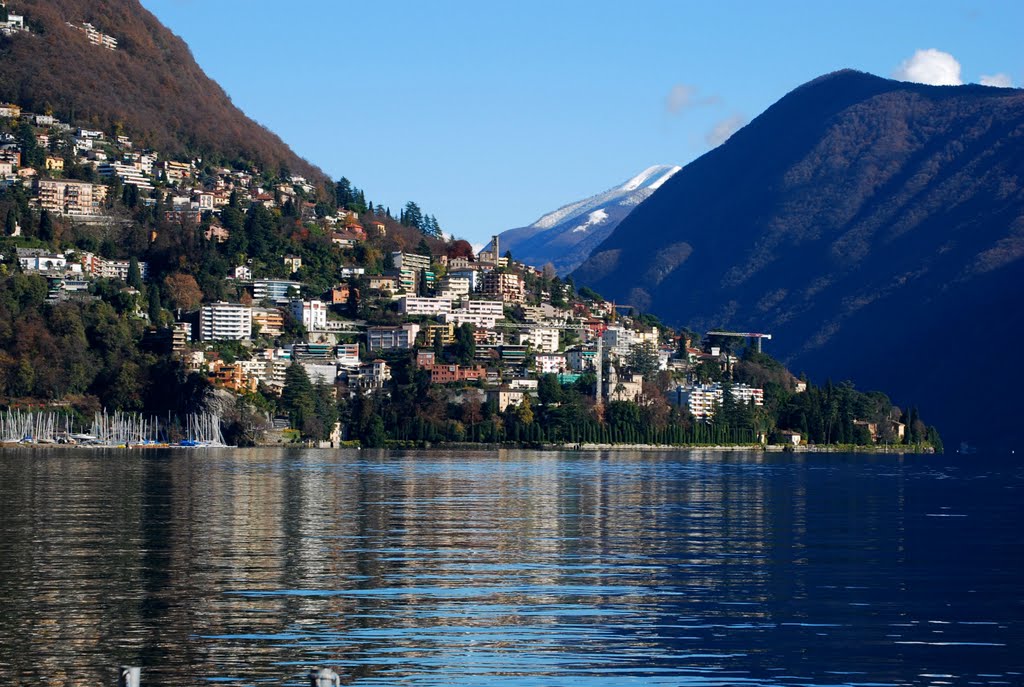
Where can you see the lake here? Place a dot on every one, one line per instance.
(512, 568)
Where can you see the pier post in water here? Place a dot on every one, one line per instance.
(129, 676)
(324, 677)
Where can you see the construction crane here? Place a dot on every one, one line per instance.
(757, 336)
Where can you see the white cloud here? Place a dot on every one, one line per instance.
(721, 131)
(999, 80)
(477, 247)
(932, 67)
(683, 96)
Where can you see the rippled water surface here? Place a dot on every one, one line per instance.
(513, 568)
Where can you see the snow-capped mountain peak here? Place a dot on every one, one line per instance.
(566, 236)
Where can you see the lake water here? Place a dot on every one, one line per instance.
(510, 568)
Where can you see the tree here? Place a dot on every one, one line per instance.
(155, 311)
(465, 344)
(45, 226)
(183, 291)
(412, 216)
(12, 222)
(524, 412)
(134, 274)
(548, 389)
(297, 397)
(643, 359)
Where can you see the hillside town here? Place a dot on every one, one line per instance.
(479, 327)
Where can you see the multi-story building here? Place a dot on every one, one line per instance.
(446, 374)
(127, 173)
(472, 275)
(550, 363)
(479, 320)
(347, 355)
(225, 321)
(383, 283)
(381, 338)
(38, 260)
(504, 397)
(446, 330)
(507, 287)
(269, 320)
(702, 399)
(431, 307)
(175, 171)
(374, 375)
(543, 339)
(580, 359)
(66, 197)
(412, 261)
(618, 341)
(119, 269)
(95, 36)
(232, 376)
(453, 287)
(312, 314)
(275, 290)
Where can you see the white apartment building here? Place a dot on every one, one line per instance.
(454, 287)
(472, 275)
(550, 363)
(431, 307)
(618, 341)
(381, 338)
(128, 174)
(276, 290)
(702, 399)
(118, 269)
(544, 340)
(580, 359)
(410, 261)
(225, 321)
(347, 355)
(493, 308)
(460, 317)
(312, 314)
(45, 262)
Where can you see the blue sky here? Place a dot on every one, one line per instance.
(490, 114)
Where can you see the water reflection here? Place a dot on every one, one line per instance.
(515, 568)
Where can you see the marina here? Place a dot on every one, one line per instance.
(109, 430)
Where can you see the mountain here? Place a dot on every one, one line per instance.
(150, 85)
(875, 228)
(566, 236)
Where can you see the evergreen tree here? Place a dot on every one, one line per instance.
(134, 274)
(45, 226)
(155, 311)
(298, 397)
(413, 216)
(11, 223)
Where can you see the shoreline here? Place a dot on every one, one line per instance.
(561, 448)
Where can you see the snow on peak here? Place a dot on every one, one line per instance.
(660, 174)
(633, 192)
(594, 218)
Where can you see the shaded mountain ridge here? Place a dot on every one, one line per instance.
(863, 221)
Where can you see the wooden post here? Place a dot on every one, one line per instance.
(129, 676)
(324, 677)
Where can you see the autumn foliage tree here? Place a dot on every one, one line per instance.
(183, 291)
